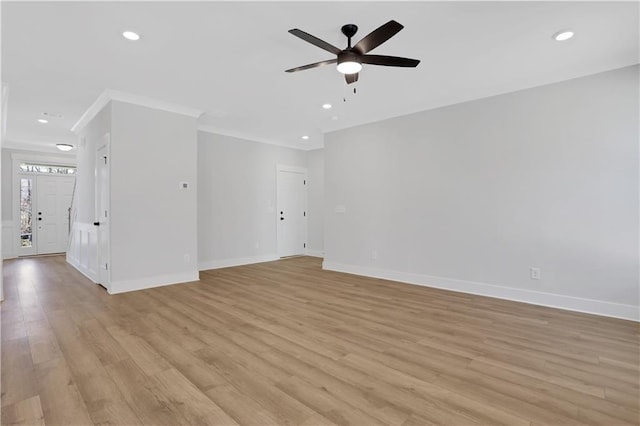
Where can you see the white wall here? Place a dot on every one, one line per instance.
(153, 233)
(83, 249)
(315, 202)
(470, 196)
(153, 220)
(237, 199)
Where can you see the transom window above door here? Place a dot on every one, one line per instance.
(47, 168)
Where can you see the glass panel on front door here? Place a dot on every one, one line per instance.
(26, 213)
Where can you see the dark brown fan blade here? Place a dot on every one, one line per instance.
(378, 36)
(315, 41)
(351, 78)
(389, 61)
(314, 65)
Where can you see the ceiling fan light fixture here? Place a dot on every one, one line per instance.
(349, 62)
(64, 146)
(349, 67)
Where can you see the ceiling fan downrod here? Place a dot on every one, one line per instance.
(349, 31)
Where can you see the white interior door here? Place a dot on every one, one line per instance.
(291, 214)
(102, 211)
(53, 199)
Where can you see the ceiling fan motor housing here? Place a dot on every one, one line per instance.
(349, 55)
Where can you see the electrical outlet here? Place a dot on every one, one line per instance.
(535, 273)
(257, 245)
(374, 254)
(187, 258)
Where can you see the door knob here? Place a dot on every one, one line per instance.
(39, 218)
(39, 213)
(282, 218)
(96, 223)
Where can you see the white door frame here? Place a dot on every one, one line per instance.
(16, 159)
(104, 142)
(294, 169)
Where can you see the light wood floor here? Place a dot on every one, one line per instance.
(287, 343)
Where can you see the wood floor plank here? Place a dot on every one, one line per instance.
(192, 403)
(151, 406)
(25, 412)
(18, 373)
(286, 343)
(60, 398)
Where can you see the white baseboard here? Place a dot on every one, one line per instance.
(315, 253)
(149, 282)
(570, 303)
(238, 261)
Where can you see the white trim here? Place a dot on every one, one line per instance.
(16, 174)
(314, 253)
(92, 111)
(103, 142)
(238, 261)
(78, 255)
(207, 128)
(303, 171)
(74, 262)
(109, 95)
(292, 169)
(150, 282)
(47, 147)
(570, 303)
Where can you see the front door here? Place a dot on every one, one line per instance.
(53, 199)
(291, 215)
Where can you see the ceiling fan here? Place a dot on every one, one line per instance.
(350, 60)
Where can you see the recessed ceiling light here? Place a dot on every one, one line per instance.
(42, 120)
(130, 35)
(305, 137)
(563, 35)
(326, 106)
(64, 146)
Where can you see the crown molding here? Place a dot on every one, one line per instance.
(92, 111)
(116, 95)
(47, 147)
(212, 129)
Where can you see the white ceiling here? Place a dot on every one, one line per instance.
(228, 59)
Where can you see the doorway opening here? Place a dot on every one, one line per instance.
(291, 194)
(44, 193)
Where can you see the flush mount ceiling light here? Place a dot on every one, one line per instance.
(305, 137)
(42, 120)
(326, 106)
(563, 35)
(130, 35)
(64, 146)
